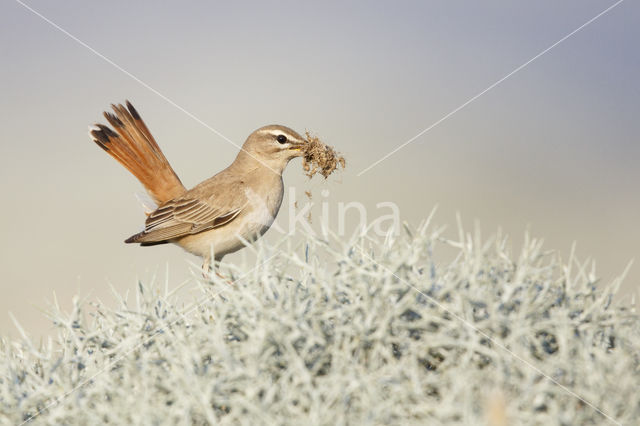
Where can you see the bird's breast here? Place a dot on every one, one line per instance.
(262, 208)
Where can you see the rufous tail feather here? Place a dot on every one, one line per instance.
(133, 146)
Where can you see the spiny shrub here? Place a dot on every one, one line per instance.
(344, 332)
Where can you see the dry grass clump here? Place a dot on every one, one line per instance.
(320, 158)
(346, 332)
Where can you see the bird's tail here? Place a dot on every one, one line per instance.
(133, 146)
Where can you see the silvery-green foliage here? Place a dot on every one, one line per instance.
(357, 332)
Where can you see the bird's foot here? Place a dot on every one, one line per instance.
(206, 273)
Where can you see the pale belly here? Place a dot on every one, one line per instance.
(251, 224)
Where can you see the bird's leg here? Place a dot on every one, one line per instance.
(226, 279)
(206, 270)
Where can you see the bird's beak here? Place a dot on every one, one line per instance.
(297, 146)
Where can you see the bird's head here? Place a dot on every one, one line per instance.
(273, 146)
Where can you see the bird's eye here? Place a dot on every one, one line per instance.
(281, 138)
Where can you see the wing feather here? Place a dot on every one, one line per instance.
(181, 217)
(164, 234)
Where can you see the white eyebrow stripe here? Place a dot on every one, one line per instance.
(290, 137)
(273, 132)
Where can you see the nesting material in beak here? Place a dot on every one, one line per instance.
(320, 158)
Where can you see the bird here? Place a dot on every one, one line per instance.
(217, 216)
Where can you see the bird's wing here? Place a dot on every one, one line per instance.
(185, 216)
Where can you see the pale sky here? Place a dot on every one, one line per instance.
(553, 148)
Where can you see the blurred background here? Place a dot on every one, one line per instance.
(552, 149)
